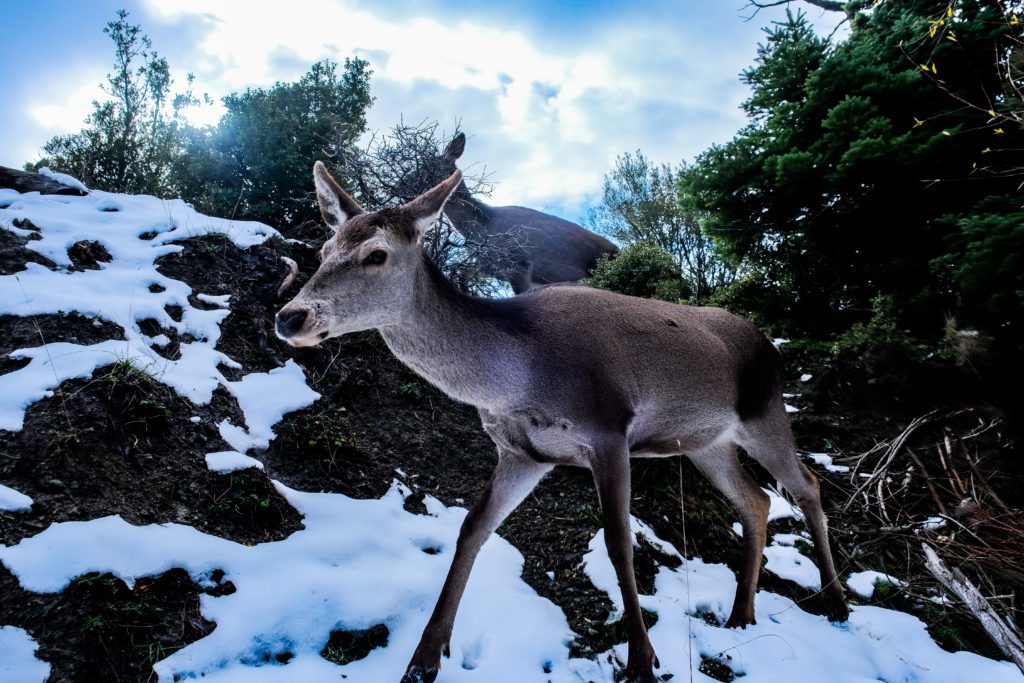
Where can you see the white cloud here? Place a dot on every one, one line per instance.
(547, 119)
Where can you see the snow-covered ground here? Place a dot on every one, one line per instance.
(359, 563)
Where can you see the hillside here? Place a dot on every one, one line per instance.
(182, 494)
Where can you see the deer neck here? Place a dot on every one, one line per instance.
(473, 349)
(468, 214)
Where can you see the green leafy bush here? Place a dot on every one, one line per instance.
(881, 350)
(643, 270)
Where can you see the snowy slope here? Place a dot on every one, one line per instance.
(359, 563)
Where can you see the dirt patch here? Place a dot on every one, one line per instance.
(88, 255)
(345, 647)
(14, 254)
(121, 443)
(98, 629)
(29, 332)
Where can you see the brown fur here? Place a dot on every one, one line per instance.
(568, 375)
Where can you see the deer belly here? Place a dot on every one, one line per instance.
(548, 440)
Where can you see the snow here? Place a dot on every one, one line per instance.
(786, 644)
(63, 179)
(779, 341)
(13, 501)
(265, 397)
(18, 663)
(222, 300)
(786, 562)
(825, 460)
(792, 409)
(230, 461)
(806, 377)
(356, 563)
(780, 508)
(933, 523)
(863, 583)
(119, 292)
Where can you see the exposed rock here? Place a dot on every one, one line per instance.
(24, 181)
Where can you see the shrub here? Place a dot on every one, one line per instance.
(641, 269)
(880, 349)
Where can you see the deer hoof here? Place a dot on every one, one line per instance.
(838, 611)
(740, 619)
(416, 674)
(641, 665)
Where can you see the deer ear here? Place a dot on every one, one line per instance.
(455, 148)
(336, 206)
(425, 209)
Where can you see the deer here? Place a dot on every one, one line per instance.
(524, 247)
(564, 375)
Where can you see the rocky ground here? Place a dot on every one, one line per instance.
(120, 443)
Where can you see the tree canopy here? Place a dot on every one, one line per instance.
(861, 174)
(255, 163)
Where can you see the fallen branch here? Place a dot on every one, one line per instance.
(881, 468)
(1001, 633)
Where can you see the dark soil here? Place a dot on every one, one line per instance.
(14, 253)
(98, 629)
(120, 443)
(87, 255)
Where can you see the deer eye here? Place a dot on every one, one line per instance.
(376, 257)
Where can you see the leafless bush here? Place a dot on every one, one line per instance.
(397, 165)
(943, 480)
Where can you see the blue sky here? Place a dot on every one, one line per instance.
(550, 92)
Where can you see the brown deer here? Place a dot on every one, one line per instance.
(524, 247)
(563, 375)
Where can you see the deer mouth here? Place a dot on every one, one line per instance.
(308, 340)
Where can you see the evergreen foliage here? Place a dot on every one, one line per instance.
(130, 138)
(256, 162)
(640, 206)
(641, 269)
(860, 174)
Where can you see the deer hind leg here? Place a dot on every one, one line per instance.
(513, 478)
(721, 466)
(611, 476)
(769, 440)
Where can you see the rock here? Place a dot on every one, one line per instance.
(24, 181)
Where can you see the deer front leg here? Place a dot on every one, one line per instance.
(513, 478)
(611, 475)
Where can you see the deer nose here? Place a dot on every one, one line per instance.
(290, 322)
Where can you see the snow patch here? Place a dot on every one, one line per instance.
(825, 460)
(13, 501)
(18, 663)
(222, 300)
(63, 179)
(136, 231)
(786, 562)
(863, 583)
(230, 461)
(356, 563)
(780, 508)
(264, 398)
(786, 644)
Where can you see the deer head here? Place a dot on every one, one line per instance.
(367, 268)
(431, 168)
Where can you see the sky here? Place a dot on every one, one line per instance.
(549, 92)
